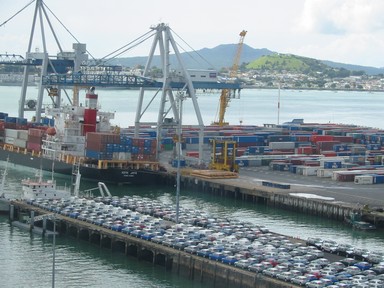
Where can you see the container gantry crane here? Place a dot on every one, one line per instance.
(227, 94)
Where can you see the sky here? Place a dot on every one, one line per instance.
(346, 31)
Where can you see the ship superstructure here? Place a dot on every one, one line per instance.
(71, 124)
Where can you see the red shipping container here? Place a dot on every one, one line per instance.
(329, 153)
(325, 145)
(36, 132)
(343, 139)
(34, 146)
(317, 138)
(302, 138)
(193, 154)
(312, 163)
(307, 150)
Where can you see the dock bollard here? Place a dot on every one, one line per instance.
(32, 221)
(44, 225)
(11, 212)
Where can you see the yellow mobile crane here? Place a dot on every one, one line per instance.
(226, 94)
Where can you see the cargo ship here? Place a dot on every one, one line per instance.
(80, 138)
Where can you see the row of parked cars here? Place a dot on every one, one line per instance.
(241, 244)
(345, 249)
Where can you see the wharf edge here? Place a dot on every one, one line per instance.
(193, 267)
(275, 194)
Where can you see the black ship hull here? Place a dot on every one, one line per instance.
(110, 175)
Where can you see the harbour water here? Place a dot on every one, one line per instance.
(27, 260)
(255, 106)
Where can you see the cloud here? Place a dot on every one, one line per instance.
(340, 49)
(342, 16)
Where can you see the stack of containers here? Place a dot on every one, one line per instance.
(18, 138)
(143, 149)
(98, 145)
(21, 123)
(35, 139)
(10, 136)
(108, 146)
(167, 144)
(2, 126)
(10, 122)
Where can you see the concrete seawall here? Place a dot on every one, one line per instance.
(283, 197)
(193, 267)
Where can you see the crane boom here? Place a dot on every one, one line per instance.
(226, 94)
(236, 60)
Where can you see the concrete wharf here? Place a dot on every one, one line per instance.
(330, 199)
(188, 265)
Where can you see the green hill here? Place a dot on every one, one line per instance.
(285, 62)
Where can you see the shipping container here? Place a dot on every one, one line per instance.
(322, 138)
(310, 170)
(325, 173)
(34, 146)
(9, 140)
(363, 179)
(20, 143)
(3, 115)
(332, 164)
(11, 133)
(341, 147)
(22, 134)
(279, 138)
(281, 145)
(307, 150)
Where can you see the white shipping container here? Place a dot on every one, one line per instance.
(22, 134)
(300, 169)
(11, 133)
(282, 145)
(20, 143)
(310, 170)
(364, 179)
(124, 156)
(326, 173)
(9, 140)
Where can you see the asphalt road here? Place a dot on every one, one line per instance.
(349, 192)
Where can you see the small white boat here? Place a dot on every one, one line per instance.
(43, 189)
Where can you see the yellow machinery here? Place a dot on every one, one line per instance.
(223, 155)
(226, 94)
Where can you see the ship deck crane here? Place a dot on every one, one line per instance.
(227, 94)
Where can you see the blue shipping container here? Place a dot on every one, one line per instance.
(242, 162)
(378, 179)
(332, 164)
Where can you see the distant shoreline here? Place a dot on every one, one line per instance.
(244, 87)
